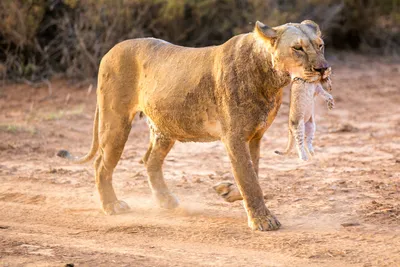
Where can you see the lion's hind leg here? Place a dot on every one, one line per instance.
(113, 133)
(154, 159)
(149, 149)
(228, 191)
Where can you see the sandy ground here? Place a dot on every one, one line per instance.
(340, 209)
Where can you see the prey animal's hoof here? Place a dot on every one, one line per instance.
(264, 223)
(228, 191)
(310, 149)
(331, 103)
(166, 200)
(302, 155)
(303, 158)
(116, 207)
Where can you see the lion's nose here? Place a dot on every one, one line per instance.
(321, 68)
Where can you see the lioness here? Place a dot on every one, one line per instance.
(231, 92)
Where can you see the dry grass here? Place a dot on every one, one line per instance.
(16, 128)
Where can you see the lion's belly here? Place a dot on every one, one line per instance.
(182, 119)
(184, 129)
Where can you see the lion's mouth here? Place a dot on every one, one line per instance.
(314, 76)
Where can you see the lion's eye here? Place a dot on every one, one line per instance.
(298, 48)
(321, 46)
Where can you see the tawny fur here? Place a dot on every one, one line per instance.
(302, 116)
(231, 92)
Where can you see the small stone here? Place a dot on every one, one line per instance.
(198, 180)
(349, 224)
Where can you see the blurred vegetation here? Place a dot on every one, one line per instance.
(39, 38)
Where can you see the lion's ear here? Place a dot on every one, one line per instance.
(264, 31)
(314, 26)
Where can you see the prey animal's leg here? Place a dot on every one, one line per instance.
(159, 149)
(298, 132)
(310, 131)
(259, 217)
(326, 81)
(325, 95)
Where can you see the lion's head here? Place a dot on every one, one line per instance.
(296, 48)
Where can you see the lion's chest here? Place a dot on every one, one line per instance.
(262, 115)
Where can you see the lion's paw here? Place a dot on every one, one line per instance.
(264, 223)
(116, 207)
(228, 191)
(166, 200)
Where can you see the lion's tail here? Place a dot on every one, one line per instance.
(93, 150)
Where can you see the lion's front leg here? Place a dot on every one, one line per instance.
(259, 217)
(254, 146)
(227, 190)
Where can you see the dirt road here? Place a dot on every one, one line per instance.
(340, 209)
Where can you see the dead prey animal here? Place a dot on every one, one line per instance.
(302, 124)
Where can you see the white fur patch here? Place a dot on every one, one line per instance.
(213, 128)
(152, 125)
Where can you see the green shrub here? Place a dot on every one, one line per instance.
(39, 37)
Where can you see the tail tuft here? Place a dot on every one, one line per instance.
(64, 154)
(276, 152)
